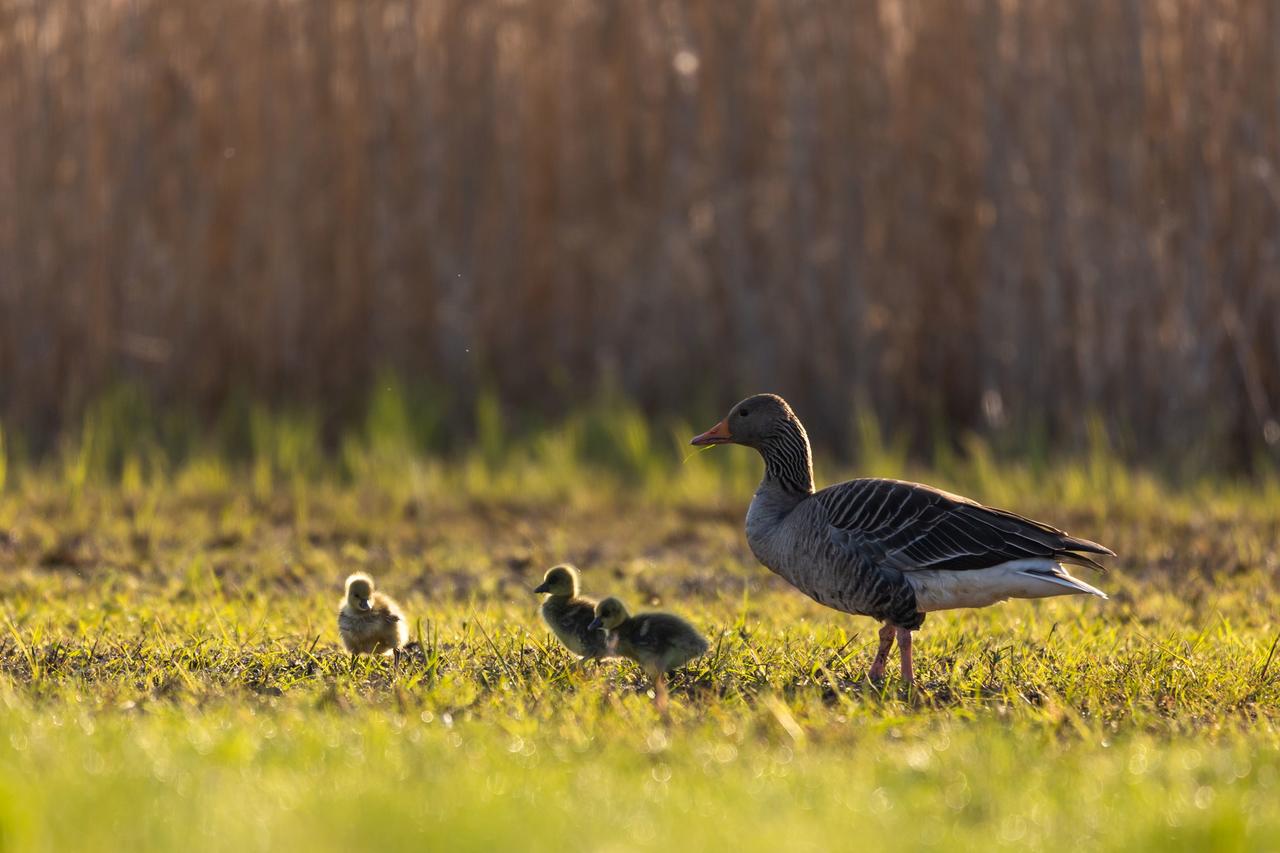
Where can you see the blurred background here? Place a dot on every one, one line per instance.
(1026, 220)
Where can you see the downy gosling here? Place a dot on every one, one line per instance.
(569, 614)
(370, 623)
(658, 642)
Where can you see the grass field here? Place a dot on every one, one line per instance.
(170, 675)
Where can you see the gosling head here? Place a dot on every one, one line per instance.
(559, 580)
(610, 613)
(359, 591)
(755, 422)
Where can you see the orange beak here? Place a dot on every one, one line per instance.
(718, 434)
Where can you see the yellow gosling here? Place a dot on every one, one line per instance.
(369, 622)
(658, 642)
(569, 614)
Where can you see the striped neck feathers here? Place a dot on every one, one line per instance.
(788, 461)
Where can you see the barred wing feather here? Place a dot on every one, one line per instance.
(910, 527)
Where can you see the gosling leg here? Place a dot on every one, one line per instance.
(660, 693)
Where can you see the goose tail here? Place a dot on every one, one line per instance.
(1060, 576)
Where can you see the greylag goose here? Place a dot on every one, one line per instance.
(369, 622)
(658, 642)
(569, 615)
(889, 549)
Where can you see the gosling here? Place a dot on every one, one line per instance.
(370, 623)
(658, 642)
(569, 615)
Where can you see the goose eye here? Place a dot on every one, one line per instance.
(742, 413)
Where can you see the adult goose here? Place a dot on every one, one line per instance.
(885, 548)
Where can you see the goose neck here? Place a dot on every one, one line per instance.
(788, 460)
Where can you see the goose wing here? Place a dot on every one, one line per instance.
(910, 526)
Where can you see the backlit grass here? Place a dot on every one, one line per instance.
(170, 675)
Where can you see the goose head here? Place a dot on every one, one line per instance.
(610, 613)
(753, 422)
(766, 423)
(359, 591)
(559, 580)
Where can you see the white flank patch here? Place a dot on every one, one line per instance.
(1033, 578)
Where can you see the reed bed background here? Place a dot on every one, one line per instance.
(1002, 216)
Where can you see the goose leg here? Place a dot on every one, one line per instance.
(904, 649)
(876, 673)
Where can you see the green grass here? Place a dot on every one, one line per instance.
(170, 675)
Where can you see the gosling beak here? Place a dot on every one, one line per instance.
(542, 587)
(595, 625)
(365, 605)
(718, 434)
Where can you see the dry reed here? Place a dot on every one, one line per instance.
(999, 215)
